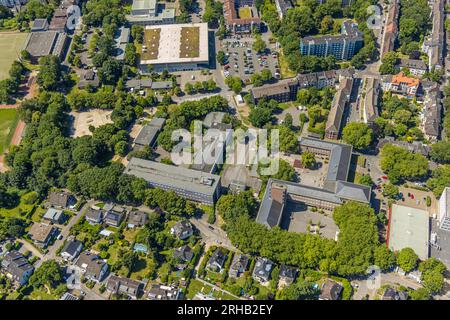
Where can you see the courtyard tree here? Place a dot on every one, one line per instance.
(308, 160)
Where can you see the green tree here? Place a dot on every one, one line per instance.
(390, 190)
(407, 259)
(221, 57)
(49, 274)
(259, 45)
(440, 152)
(384, 258)
(308, 159)
(358, 134)
(366, 180)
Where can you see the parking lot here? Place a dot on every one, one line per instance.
(243, 61)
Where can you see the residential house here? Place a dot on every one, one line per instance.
(414, 147)
(217, 260)
(287, 275)
(94, 215)
(42, 234)
(434, 44)
(182, 229)
(340, 103)
(331, 290)
(282, 7)
(16, 268)
(391, 32)
(120, 285)
(239, 265)
(115, 216)
(370, 100)
(415, 66)
(89, 78)
(263, 270)
(444, 209)
(61, 200)
(183, 254)
(282, 91)
(163, 292)
(237, 23)
(92, 266)
(137, 219)
(71, 250)
(401, 84)
(392, 294)
(54, 215)
(70, 297)
(432, 114)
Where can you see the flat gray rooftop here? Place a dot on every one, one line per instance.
(173, 176)
(409, 228)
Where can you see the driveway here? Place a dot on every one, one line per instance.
(391, 278)
(65, 231)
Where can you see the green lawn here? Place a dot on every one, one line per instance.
(10, 46)
(8, 122)
(38, 294)
(143, 268)
(21, 211)
(196, 286)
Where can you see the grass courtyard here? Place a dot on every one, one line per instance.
(190, 42)
(245, 13)
(151, 41)
(11, 44)
(8, 122)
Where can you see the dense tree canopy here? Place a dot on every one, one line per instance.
(400, 164)
(358, 134)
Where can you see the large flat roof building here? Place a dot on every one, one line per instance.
(149, 12)
(175, 47)
(409, 228)
(191, 184)
(335, 191)
(44, 43)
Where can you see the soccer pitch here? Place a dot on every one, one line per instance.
(11, 43)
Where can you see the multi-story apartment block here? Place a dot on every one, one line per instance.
(343, 46)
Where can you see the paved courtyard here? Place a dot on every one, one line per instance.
(297, 217)
(315, 177)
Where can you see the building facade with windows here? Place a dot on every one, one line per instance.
(343, 46)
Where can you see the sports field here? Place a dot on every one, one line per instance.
(11, 43)
(8, 123)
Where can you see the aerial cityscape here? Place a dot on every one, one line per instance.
(225, 150)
